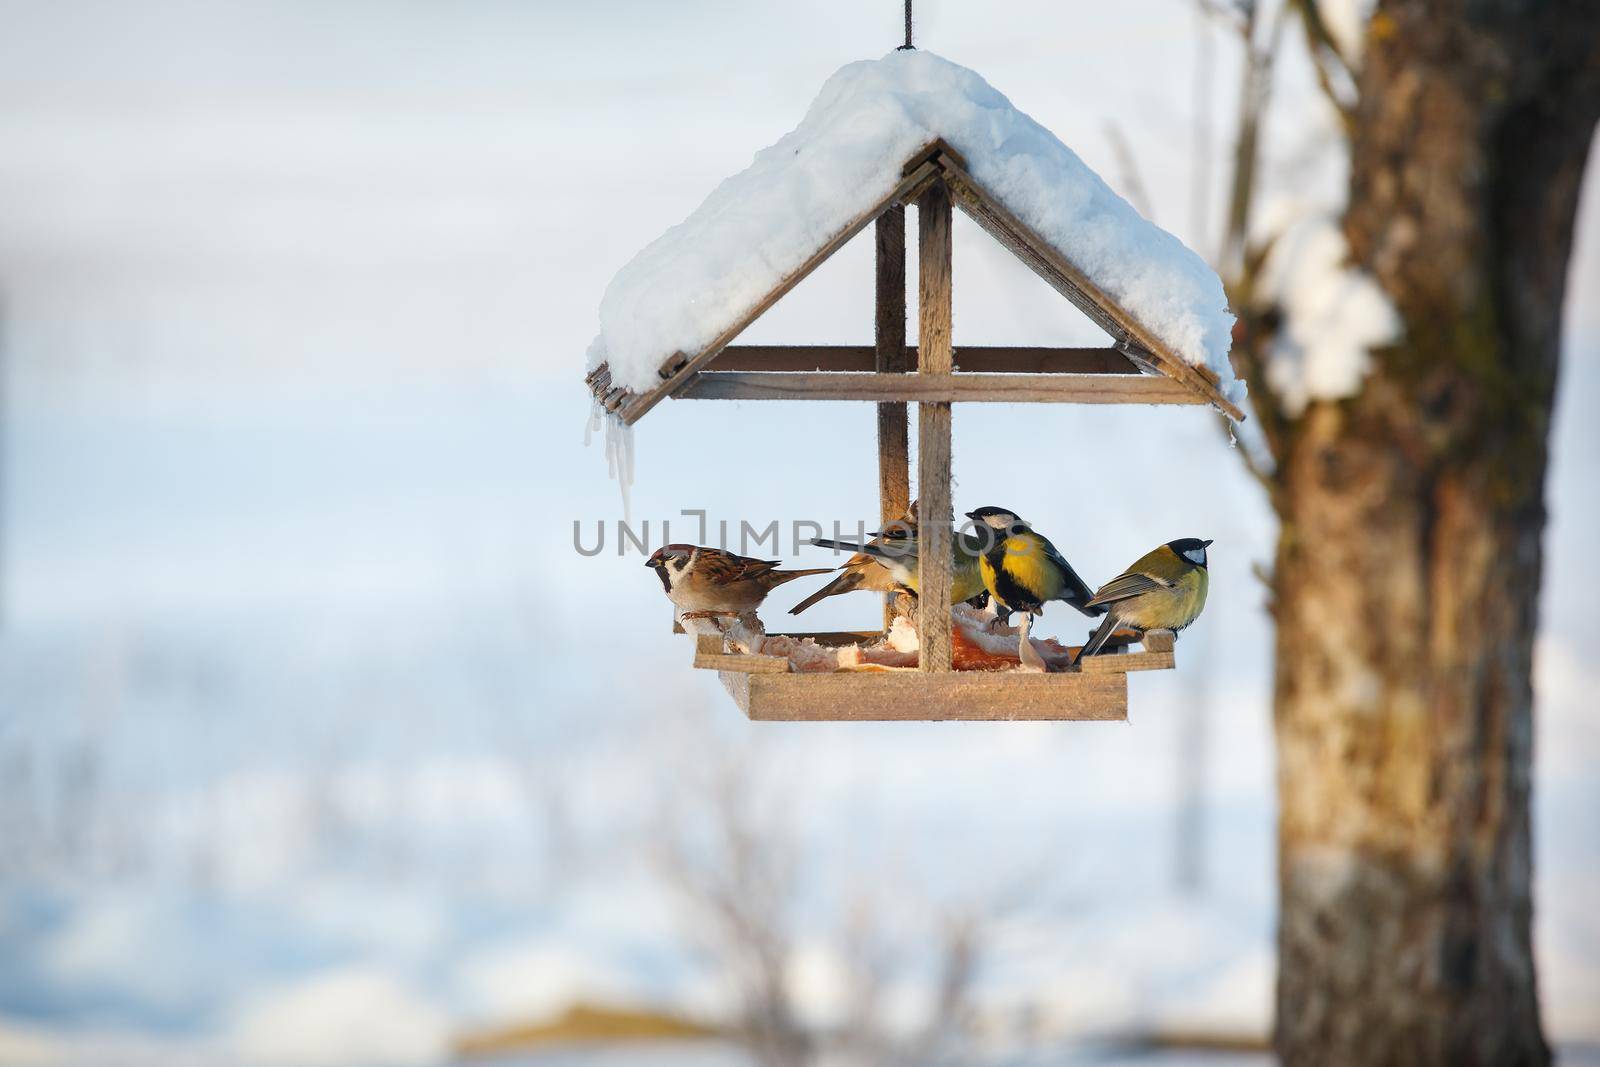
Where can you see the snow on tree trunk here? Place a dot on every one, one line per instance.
(1407, 579)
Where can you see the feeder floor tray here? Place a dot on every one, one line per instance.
(767, 690)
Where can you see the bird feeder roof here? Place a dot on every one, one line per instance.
(877, 134)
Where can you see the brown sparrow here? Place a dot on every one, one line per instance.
(862, 571)
(711, 581)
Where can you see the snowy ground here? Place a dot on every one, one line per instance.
(318, 741)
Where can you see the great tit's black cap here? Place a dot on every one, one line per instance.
(985, 512)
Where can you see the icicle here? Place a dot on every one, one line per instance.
(619, 459)
(619, 451)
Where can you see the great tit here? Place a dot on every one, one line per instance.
(900, 559)
(862, 571)
(1163, 590)
(1022, 570)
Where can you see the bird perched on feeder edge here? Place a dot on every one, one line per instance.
(862, 571)
(704, 581)
(1164, 590)
(900, 558)
(1023, 571)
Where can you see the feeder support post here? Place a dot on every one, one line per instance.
(933, 428)
(894, 429)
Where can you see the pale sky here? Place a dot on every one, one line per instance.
(239, 214)
(294, 299)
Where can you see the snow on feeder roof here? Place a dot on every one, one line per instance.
(876, 135)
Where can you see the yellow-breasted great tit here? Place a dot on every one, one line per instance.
(1163, 590)
(1022, 570)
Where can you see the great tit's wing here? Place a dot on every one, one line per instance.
(1076, 591)
(1124, 586)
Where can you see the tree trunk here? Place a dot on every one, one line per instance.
(1408, 568)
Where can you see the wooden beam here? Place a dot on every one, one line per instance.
(995, 218)
(889, 357)
(675, 369)
(710, 655)
(950, 388)
(1159, 640)
(1124, 662)
(982, 359)
(991, 359)
(934, 363)
(797, 357)
(910, 696)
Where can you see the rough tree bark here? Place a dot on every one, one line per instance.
(1408, 569)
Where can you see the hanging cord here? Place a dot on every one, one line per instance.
(907, 46)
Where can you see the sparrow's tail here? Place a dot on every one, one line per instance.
(842, 584)
(1102, 634)
(779, 577)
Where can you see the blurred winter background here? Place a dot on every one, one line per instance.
(320, 744)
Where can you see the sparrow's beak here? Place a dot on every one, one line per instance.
(1205, 544)
(651, 562)
(972, 515)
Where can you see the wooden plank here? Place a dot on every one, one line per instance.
(983, 359)
(732, 662)
(1157, 656)
(675, 369)
(950, 388)
(1069, 281)
(934, 361)
(1159, 640)
(995, 359)
(1123, 662)
(709, 655)
(914, 194)
(738, 687)
(797, 357)
(911, 696)
(934, 536)
(889, 357)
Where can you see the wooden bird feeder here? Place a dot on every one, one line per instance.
(1136, 368)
